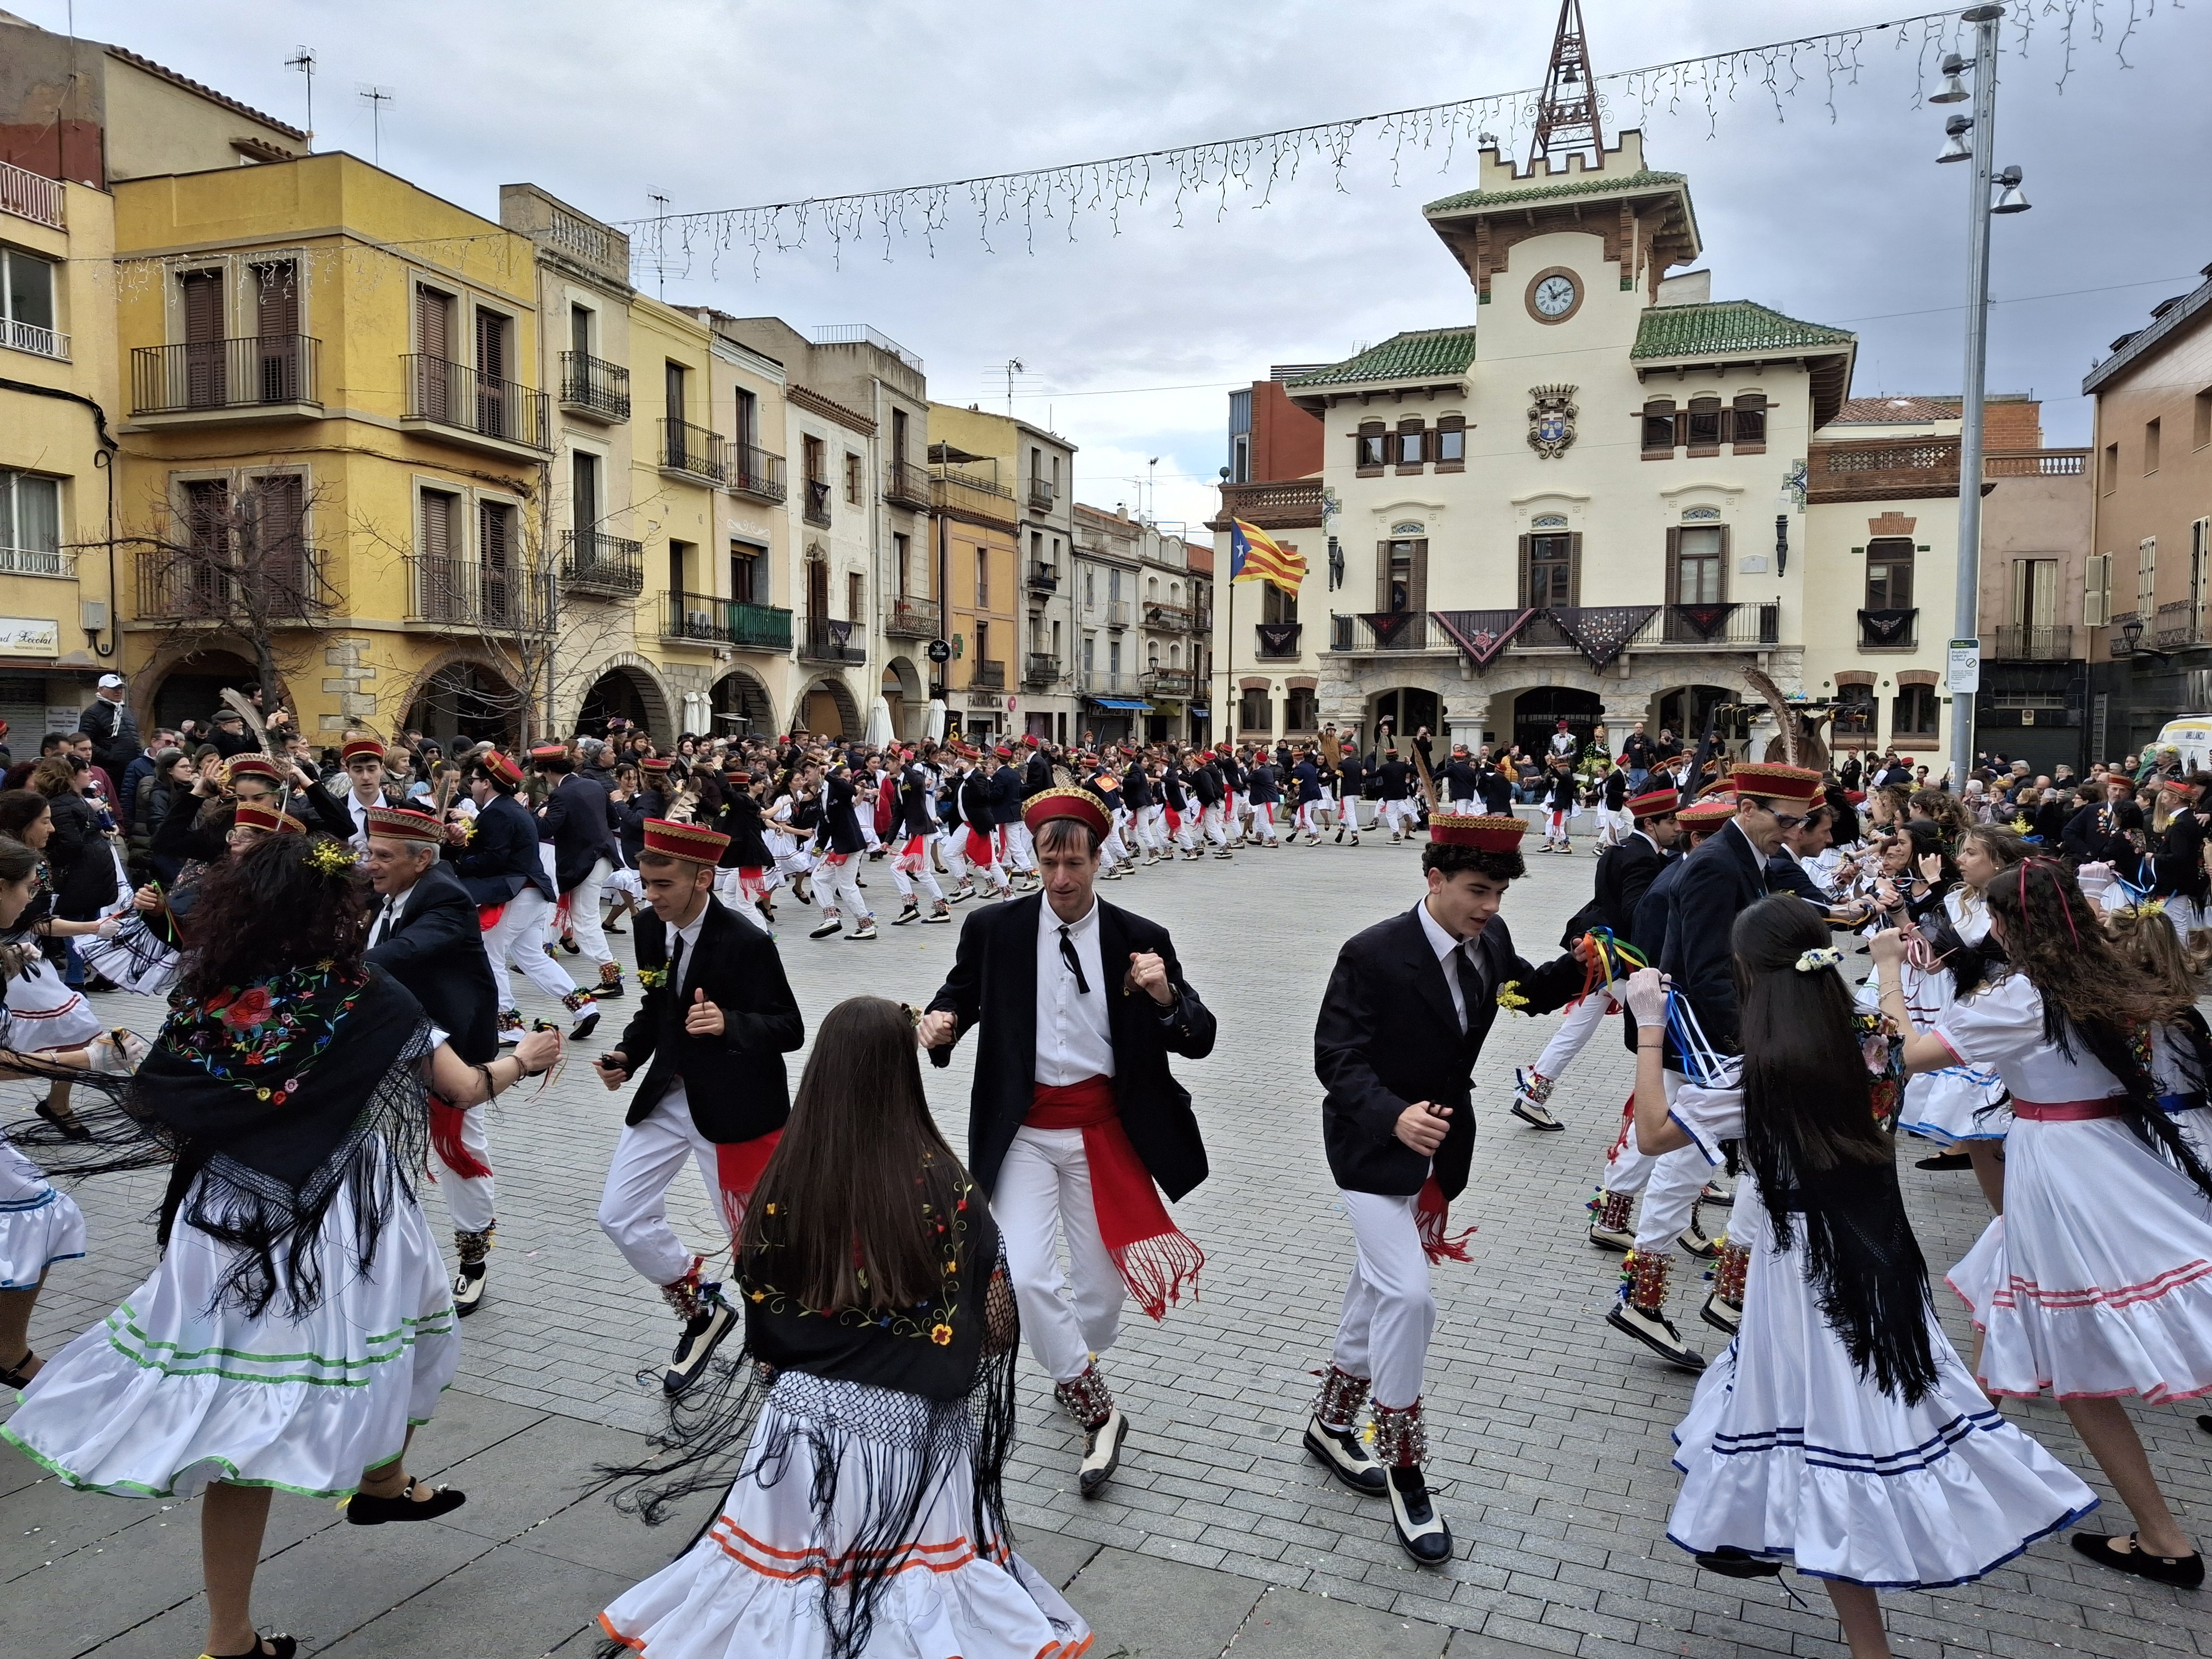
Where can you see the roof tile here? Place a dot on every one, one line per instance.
(1727, 328)
(1546, 189)
(1416, 354)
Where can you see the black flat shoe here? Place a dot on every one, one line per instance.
(264, 1647)
(68, 1128)
(364, 1511)
(1736, 1563)
(12, 1376)
(2204, 1421)
(2182, 1571)
(1945, 1161)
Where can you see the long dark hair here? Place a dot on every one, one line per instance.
(271, 908)
(19, 809)
(844, 1206)
(1823, 1166)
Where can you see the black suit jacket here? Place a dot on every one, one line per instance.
(575, 821)
(735, 1082)
(993, 982)
(1719, 881)
(501, 858)
(1625, 874)
(1785, 875)
(437, 952)
(1388, 1038)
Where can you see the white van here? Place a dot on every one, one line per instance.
(2193, 735)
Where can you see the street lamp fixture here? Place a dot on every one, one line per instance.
(2131, 632)
(1954, 139)
(2009, 200)
(1954, 90)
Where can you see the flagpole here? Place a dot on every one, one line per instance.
(1229, 618)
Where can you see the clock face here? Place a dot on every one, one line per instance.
(1553, 296)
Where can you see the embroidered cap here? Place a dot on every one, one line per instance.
(252, 766)
(1769, 782)
(1500, 832)
(400, 824)
(1080, 804)
(690, 842)
(362, 749)
(656, 764)
(502, 767)
(1653, 804)
(251, 815)
(548, 751)
(1710, 813)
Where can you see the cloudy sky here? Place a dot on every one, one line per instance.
(1130, 341)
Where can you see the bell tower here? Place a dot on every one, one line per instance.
(1567, 119)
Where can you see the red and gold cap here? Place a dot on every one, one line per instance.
(1769, 781)
(251, 815)
(1080, 804)
(738, 774)
(360, 748)
(548, 751)
(400, 824)
(1653, 804)
(252, 766)
(1710, 813)
(659, 764)
(1500, 832)
(690, 842)
(1003, 752)
(502, 767)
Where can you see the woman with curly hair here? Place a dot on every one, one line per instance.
(2094, 1282)
(286, 1095)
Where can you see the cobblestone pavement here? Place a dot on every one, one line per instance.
(1550, 1432)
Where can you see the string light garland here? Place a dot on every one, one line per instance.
(1023, 204)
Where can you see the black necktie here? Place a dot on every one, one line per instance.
(1470, 986)
(676, 965)
(384, 923)
(1075, 962)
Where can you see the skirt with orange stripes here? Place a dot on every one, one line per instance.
(768, 1575)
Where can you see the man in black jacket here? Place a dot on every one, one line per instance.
(496, 856)
(576, 827)
(114, 732)
(1401, 1025)
(1074, 1115)
(1012, 837)
(716, 1020)
(424, 932)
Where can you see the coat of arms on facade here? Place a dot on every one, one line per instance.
(1551, 420)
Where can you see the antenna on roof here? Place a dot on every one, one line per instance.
(1567, 116)
(304, 61)
(661, 239)
(376, 98)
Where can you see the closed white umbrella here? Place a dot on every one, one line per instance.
(936, 727)
(879, 723)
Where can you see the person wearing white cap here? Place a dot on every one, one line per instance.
(114, 734)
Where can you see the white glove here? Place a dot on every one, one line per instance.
(109, 927)
(1647, 996)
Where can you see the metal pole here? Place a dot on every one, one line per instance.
(1965, 621)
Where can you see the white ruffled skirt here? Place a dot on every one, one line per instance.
(1789, 1454)
(44, 1014)
(40, 1226)
(752, 1587)
(1954, 1105)
(168, 1393)
(2096, 1281)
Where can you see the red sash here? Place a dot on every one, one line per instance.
(738, 1166)
(978, 850)
(1152, 1255)
(2064, 1111)
(446, 1141)
(487, 916)
(1432, 1213)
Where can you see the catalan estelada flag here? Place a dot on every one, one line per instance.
(1254, 557)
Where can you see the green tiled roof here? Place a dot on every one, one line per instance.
(1728, 328)
(1411, 356)
(1546, 189)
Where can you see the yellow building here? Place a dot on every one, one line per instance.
(975, 579)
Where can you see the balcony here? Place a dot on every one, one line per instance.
(1393, 630)
(756, 472)
(496, 599)
(1201, 621)
(702, 619)
(1042, 669)
(492, 413)
(1044, 578)
(1699, 627)
(287, 582)
(1109, 685)
(693, 453)
(913, 619)
(1042, 495)
(33, 196)
(594, 562)
(39, 342)
(269, 374)
(971, 495)
(1295, 504)
(1875, 469)
(1277, 639)
(1889, 631)
(906, 485)
(2023, 642)
(817, 510)
(1166, 681)
(2179, 625)
(36, 562)
(1174, 616)
(823, 640)
(987, 676)
(594, 387)
(1117, 613)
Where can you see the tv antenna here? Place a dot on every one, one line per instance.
(376, 98)
(304, 61)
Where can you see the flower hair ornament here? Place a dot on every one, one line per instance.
(332, 858)
(1813, 961)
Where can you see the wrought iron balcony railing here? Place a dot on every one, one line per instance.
(817, 510)
(756, 472)
(823, 639)
(454, 395)
(287, 582)
(1042, 669)
(220, 374)
(496, 599)
(593, 562)
(595, 386)
(906, 485)
(913, 619)
(694, 452)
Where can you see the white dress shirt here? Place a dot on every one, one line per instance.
(361, 816)
(689, 934)
(1445, 944)
(1073, 1039)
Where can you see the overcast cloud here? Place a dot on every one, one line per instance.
(723, 103)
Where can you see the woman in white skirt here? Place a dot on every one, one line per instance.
(2096, 1282)
(1839, 1433)
(300, 1322)
(871, 1411)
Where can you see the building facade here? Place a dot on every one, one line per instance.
(1167, 625)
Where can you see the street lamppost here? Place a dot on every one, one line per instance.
(1965, 621)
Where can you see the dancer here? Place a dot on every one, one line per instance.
(914, 827)
(1839, 1433)
(577, 845)
(424, 934)
(287, 1092)
(709, 1036)
(1074, 1115)
(747, 873)
(1399, 1128)
(2092, 1283)
(363, 759)
(876, 1404)
(496, 855)
(839, 846)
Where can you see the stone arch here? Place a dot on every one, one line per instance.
(821, 697)
(741, 704)
(906, 695)
(627, 686)
(466, 693)
(185, 680)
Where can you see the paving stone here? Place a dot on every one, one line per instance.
(1160, 1610)
(1290, 1625)
(507, 1601)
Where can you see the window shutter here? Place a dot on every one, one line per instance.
(1673, 564)
(1726, 561)
(493, 525)
(1575, 569)
(276, 298)
(437, 525)
(2097, 590)
(1524, 572)
(491, 345)
(1381, 575)
(434, 323)
(1416, 585)
(203, 305)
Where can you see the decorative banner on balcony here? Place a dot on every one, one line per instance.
(1705, 620)
(1279, 638)
(1886, 627)
(1393, 629)
(841, 633)
(1482, 634)
(1600, 632)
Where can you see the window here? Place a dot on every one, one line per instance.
(747, 582)
(2035, 594)
(1240, 458)
(1747, 423)
(1253, 713)
(899, 545)
(1912, 713)
(1089, 590)
(580, 330)
(1451, 450)
(1411, 447)
(852, 478)
(983, 580)
(856, 596)
(673, 376)
(679, 566)
(1700, 565)
(1089, 652)
(2150, 446)
(1659, 429)
(1301, 709)
(898, 435)
(748, 421)
(494, 335)
(1889, 574)
(1856, 717)
(1113, 657)
(812, 453)
(26, 302)
(2097, 589)
(1151, 590)
(1372, 447)
(1703, 432)
(30, 524)
(2200, 429)
(495, 559)
(983, 652)
(1403, 570)
(2147, 577)
(2200, 556)
(1549, 569)
(1114, 587)
(2112, 469)
(584, 491)
(1175, 654)
(1277, 606)
(437, 542)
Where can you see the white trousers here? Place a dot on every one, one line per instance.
(1399, 815)
(1305, 823)
(1044, 1186)
(1583, 1021)
(1389, 1312)
(469, 1198)
(837, 888)
(584, 912)
(634, 1205)
(517, 940)
(1210, 819)
(1016, 850)
(1263, 822)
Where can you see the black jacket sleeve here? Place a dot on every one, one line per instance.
(961, 993)
(1348, 1017)
(449, 923)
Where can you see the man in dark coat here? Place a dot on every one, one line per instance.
(576, 824)
(710, 1035)
(1011, 838)
(839, 847)
(496, 856)
(1401, 1026)
(1350, 785)
(1081, 1003)
(108, 720)
(424, 934)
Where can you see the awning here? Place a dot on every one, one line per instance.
(1128, 705)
